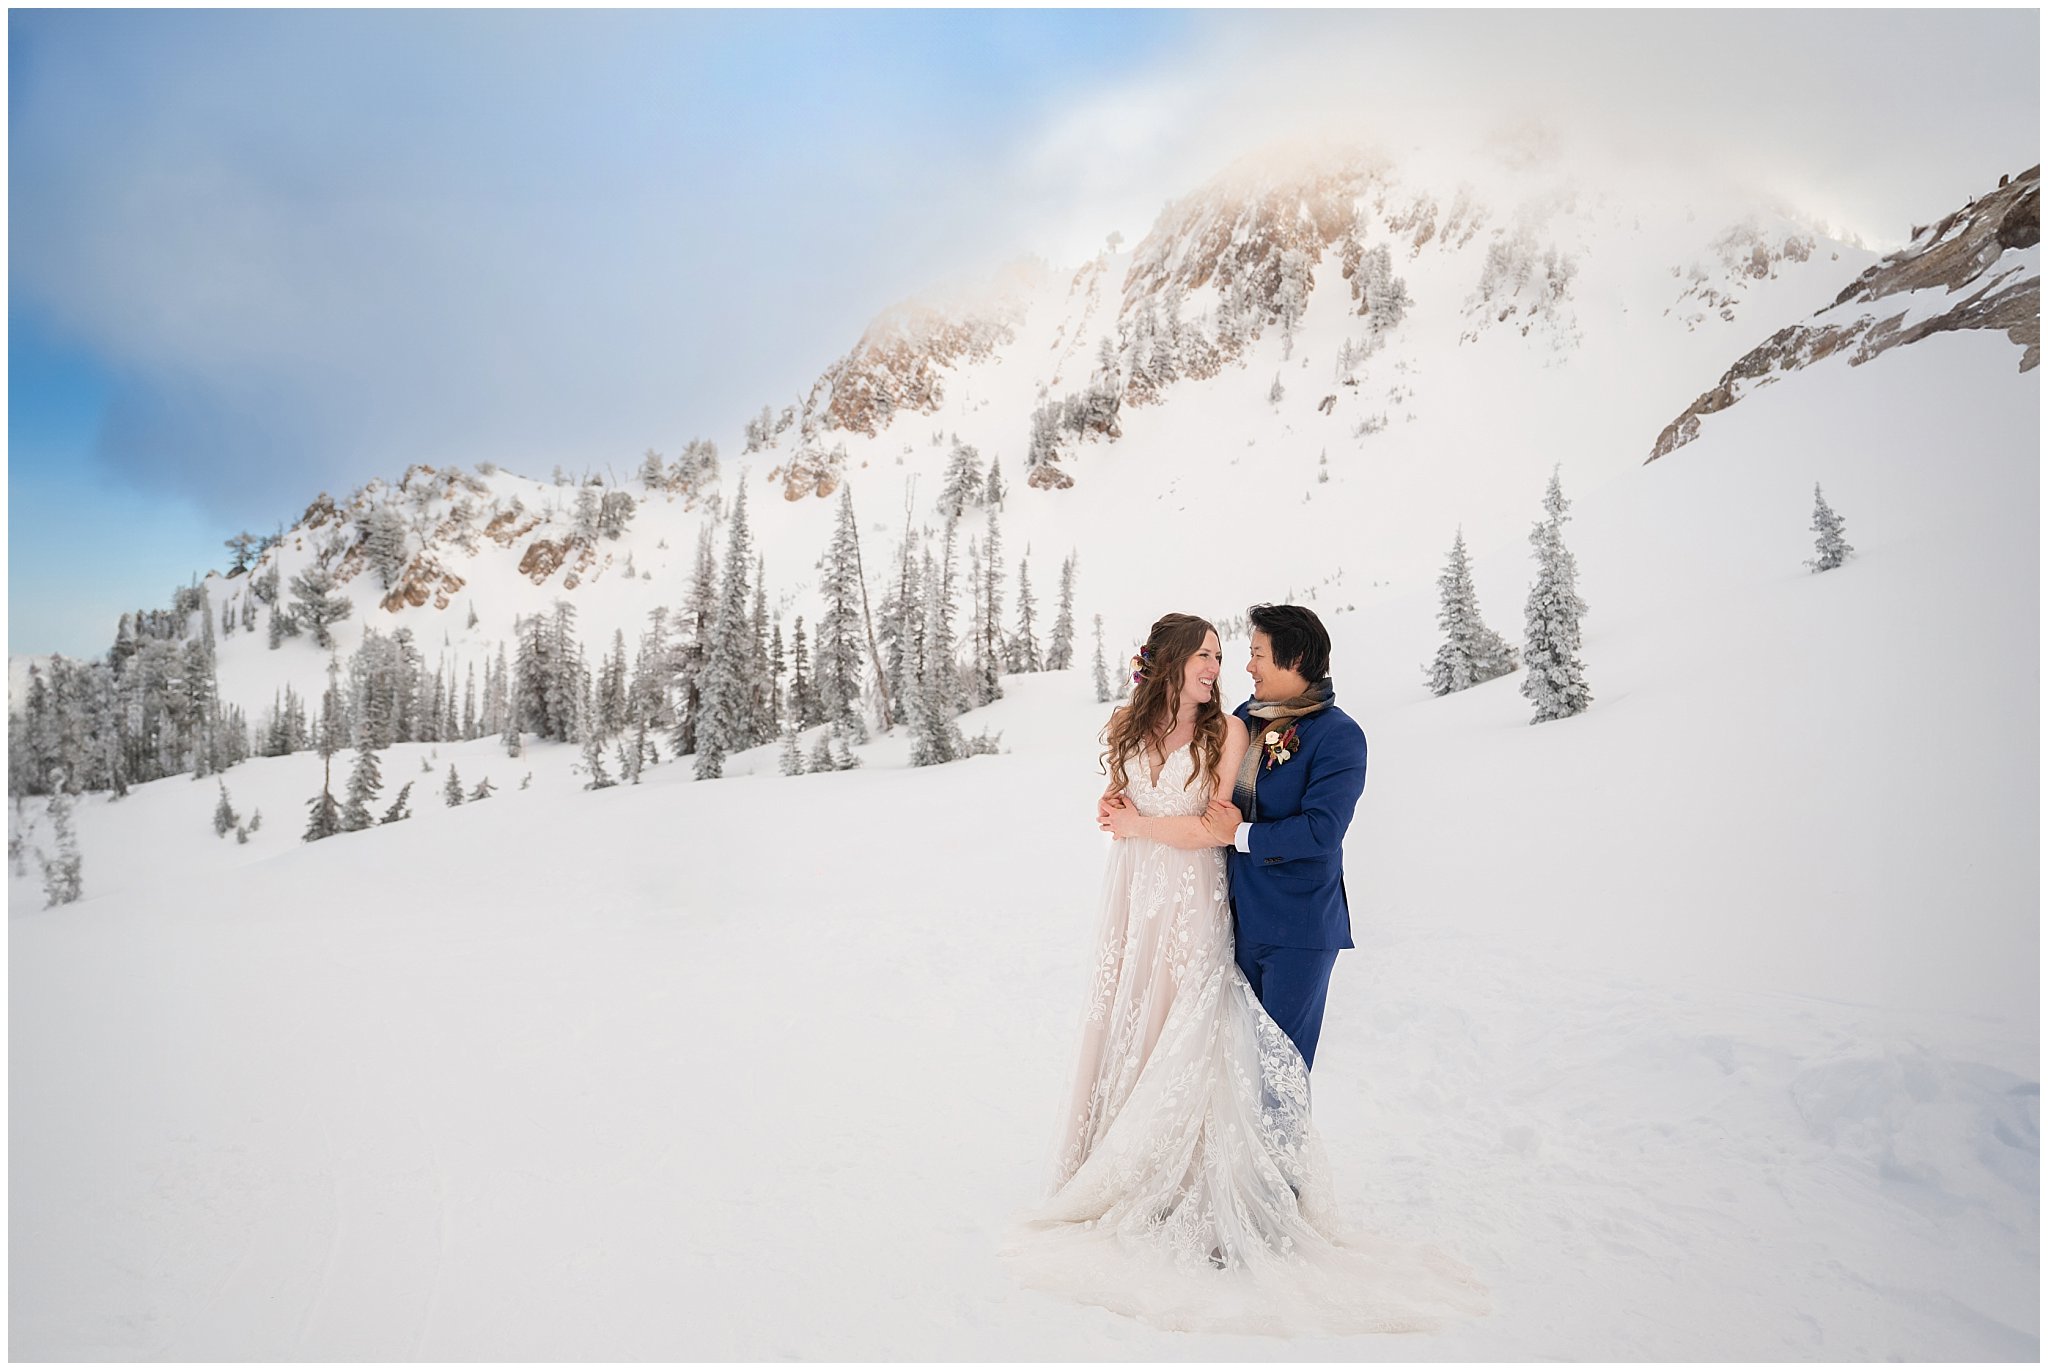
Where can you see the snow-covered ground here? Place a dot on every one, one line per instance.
(1704, 1025)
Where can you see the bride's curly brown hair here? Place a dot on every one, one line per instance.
(1155, 702)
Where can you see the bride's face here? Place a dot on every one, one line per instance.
(1198, 678)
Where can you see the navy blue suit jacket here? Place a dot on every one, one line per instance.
(1289, 890)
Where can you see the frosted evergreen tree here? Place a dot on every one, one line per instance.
(1471, 653)
(723, 687)
(821, 755)
(63, 875)
(318, 605)
(451, 793)
(1828, 524)
(1556, 679)
(483, 789)
(589, 509)
(989, 688)
(563, 685)
(1278, 392)
(935, 738)
(653, 470)
(964, 484)
(243, 546)
(224, 816)
(384, 544)
(792, 751)
(699, 612)
(1024, 654)
(803, 694)
(1290, 301)
(611, 688)
(764, 665)
(324, 820)
(1101, 666)
(836, 650)
(398, 808)
(902, 626)
(1059, 656)
(843, 758)
(994, 491)
(365, 780)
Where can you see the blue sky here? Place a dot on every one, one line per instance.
(258, 254)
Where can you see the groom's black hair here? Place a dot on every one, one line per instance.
(1300, 642)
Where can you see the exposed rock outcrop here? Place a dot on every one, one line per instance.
(1969, 254)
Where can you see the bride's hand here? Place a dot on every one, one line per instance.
(1123, 819)
(1109, 801)
(1222, 820)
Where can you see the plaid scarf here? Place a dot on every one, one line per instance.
(1245, 794)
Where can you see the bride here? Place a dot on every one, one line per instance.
(1190, 1189)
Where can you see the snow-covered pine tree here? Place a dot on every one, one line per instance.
(1471, 653)
(565, 682)
(936, 737)
(384, 545)
(803, 693)
(1290, 301)
(451, 792)
(365, 780)
(964, 484)
(324, 821)
(1101, 666)
(990, 653)
(1278, 392)
(723, 687)
(1556, 679)
(994, 491)
(1830, 545)
(653, 470)
(318, 605)
(641, 744)
(764, 664)
(63, 875)
(699, 610)
(1024, 654)
(483, 789)
(1059, 655)
(398, 808)
(821, 755)
(836, 651)
(843, 758)
(792, 751)
(611, 688)
(902, 623)
(224, 816)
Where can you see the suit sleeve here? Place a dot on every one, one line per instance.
(1332, 794)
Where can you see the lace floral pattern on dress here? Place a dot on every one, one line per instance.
(1189, 1186)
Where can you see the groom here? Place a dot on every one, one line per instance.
(1285, 822)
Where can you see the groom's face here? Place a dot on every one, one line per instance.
(1269, 680)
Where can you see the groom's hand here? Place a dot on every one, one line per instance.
(1221, 821)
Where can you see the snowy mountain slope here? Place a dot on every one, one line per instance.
(1552, 314)
(1978, 268)
(1704, 1024)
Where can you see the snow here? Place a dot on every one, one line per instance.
(1703, 1025)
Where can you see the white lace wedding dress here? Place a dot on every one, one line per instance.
(1190, 1188)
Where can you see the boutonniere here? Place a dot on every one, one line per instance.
(1280, 746)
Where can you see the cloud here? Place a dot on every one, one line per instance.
(1872, 120)
(312, 247)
